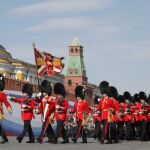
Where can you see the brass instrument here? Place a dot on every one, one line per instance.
(51, 118)
(1, 113)
(110, 115)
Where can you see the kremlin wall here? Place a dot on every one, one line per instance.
(17, 72)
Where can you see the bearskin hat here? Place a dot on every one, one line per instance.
(136, 97)
(104, 88)
(80, 92)
(27, 88)
(114, 92)
(121, 99)
(142, 95)
(59, 89)
(2, 82)
(127, 96)
(96, 99)
(46, 87)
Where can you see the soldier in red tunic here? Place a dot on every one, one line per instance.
(128, 116)
(106, 106)
(80, 108)
(27, 106)
(137, 116)
(144, 111)
(114, 96)
(97, 119)
(46, 109)
(3, 100)
(61, 108)
(121, 119)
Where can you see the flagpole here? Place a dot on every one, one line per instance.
(36, 67)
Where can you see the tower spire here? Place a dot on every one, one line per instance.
(75, 41)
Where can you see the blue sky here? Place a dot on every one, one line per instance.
(115, 35)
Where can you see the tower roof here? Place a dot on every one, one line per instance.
(75, 41)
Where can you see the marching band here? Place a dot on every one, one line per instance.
(113, 118)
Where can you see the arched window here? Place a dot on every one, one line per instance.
(71, 50)
(69, 82)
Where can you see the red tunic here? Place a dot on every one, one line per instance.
(144, 116)
(104, 106)
(61, 113)
(117, 109)
(46, 107)
(136, 113)
(26, 113)
(3, 99)
(129, 110)
(80, 107)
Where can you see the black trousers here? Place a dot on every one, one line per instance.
(61, 131)
(27, 128)
(144, 130)
(108, 131)
(121, 130)
(80, 130)
(97, 129)
(129, 131)
(138, 129)
(2, 133)
(49, 131)
(114, 131)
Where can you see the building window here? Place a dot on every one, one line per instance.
(76, 50)
(69, 82)
(72, 50)
(76, 71)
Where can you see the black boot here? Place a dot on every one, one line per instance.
(31, 141)
(55, 140)
(108, 142)
(3, 141)
(38, 140)
(65, 141)
(74, 140)
(19, 139)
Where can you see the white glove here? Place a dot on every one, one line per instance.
(39, 94)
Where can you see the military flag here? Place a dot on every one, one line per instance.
(47, 64)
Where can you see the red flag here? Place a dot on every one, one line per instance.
(47, 64)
